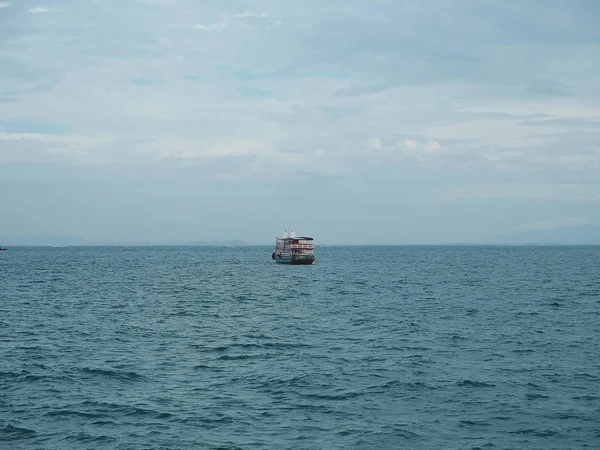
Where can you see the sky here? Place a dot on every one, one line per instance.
(367, 122)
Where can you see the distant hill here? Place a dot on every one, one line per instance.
(585, 234)
(42, 240)
(49, 239)
(234, 243)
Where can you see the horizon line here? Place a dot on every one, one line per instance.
(447, 244)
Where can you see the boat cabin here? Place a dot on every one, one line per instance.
(292, 249)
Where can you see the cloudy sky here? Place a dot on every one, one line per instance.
(381, 121)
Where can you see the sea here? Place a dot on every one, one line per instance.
(382, 347)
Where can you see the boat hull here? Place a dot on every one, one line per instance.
(295, 261)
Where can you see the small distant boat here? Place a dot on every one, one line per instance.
(3, 248)
(292, 249)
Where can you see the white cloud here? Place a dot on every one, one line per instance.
(570, 108)
(235, 147)
(407, 147)
(432, 147)
(520, 191)
(47, 138)
(257, 153)
(374, 143)
(38, 10)
(68, 149)
(4, 5)
(410, 146)
(230, 21)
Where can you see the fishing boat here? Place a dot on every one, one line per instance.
(292, 249)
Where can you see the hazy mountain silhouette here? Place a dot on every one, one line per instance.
(42, 240)
(583, 234)
(50, 239)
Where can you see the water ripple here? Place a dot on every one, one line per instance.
(371, 347)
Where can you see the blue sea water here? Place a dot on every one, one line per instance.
(369, 348)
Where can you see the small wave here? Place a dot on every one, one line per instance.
(128, 376)
(236, 357)
(569, 416)
(105, 409)
(218, 348)
(70, 412)
(456, 337)
(135, 411)
(284, 345)
(396, 431)
(346, 432)
(11, 433)
(279, 382)
(217, 420)
(8, 375)
(553, 378)
(505, 418)
(30, 347)
(104, 422)
(252, 346)
(536, 396)
(586, 376)
(26, 376)
(518, 369)
(474, 423)
(184, 314)
(404, 433)
(404, 386)
(536, 433)
(33, 377)
(344, 292)
(245, 298)
(86, 437)
(474, 384)
(333, 397)
(207, 367)
(408, 347)
(257, 336)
